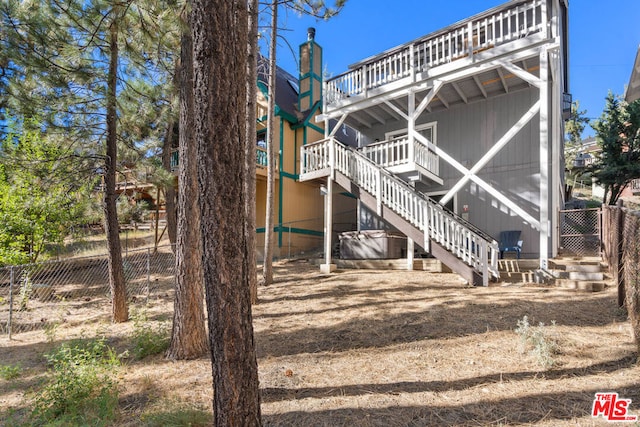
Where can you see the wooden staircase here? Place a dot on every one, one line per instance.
(458, 244)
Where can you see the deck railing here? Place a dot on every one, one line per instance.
(398, 151)
(495, 28)
(461, 238)
(261, 159)
(175, 160)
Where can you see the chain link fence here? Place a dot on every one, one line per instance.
(37, 296)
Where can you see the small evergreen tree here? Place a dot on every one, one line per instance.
(618, 133)
(573, 130)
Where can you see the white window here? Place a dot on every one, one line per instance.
(428, 130)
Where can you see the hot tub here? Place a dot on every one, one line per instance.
(372, 244)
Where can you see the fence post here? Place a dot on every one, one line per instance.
(11, 277)
(619, 253)
(148, 271)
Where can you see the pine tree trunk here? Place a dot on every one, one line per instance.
(188, 335)
(169, 190)
(250, 149)
(219, 30)
(267, 273)
(117, 285)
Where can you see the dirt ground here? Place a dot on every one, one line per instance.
(386, 348)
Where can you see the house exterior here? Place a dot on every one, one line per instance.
(633, 88)
(469, 118)
(299, 206)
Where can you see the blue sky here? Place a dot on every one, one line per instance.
(603, 38)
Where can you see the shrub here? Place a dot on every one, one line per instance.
(539, 340)
(149, 339)
(10, 372)
(81, 389)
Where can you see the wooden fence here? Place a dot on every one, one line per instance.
(621, 247)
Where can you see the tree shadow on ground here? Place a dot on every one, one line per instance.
(276, 394)
(526, 410)
(443, 320)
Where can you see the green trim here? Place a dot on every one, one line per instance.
(293, 176)
(287, 116)
(259, 131)
(280, 192)
(347, 194)
(264, 89)
(261, 119)
(307, 121)
(278, 111)
(316, 128)
(302, 231)
(294, 230)
(295, 152)
(311, 75)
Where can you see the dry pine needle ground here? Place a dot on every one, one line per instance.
(386, 348)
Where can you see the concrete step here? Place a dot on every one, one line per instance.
(581, 275)
(585, 268)
(421, 264)
(581, 285)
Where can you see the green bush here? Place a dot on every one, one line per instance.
(10, 372)
(81, 389)
(539, 340)
(149, 339)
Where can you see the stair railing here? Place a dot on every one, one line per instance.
(467, 242)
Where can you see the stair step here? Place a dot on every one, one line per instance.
(581, 285)
(580, 275)
(584, 268)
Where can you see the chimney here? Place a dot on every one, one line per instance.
(310, 81)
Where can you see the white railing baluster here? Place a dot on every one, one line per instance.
(466, 39)
(328, 156)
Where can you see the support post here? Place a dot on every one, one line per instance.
(411, 126)
(544, 160)
(485, 262)
(148, 273)
(11, 281)
(410, 249)
(379, 192)
(618, 251)
(328, 267)
(425, 228)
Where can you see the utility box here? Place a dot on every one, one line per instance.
(372, 244)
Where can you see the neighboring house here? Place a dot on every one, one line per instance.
(470, 117)
(136, 185)
(633, 88)
(632, 94)
(298, 205)
(586, 152)
(299, 221)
